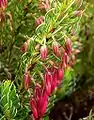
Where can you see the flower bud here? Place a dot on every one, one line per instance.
(55, 48)
(68, 46)
(43, 52)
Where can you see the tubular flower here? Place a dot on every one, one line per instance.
(60, 75)
(54, 76)
(55, 48)
(54, 81)
(48, 80)
(26, 80)
(65, 60)
(68, 46)
(3, 3)
(33, 106)
(43, 52)
(38, 103)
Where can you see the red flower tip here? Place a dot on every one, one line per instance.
(43, 52)
(39, 102)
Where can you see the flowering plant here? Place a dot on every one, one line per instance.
(41, 32)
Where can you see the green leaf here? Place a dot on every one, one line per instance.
(9, 100)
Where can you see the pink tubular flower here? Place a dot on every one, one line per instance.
(60, 75)
(39, 20)
(26, 80)
(42, 104)
(68, 46)
(38, 103)
(3, 3)
(55, 48)
(48, 80)
(54, 81)
(43, 52)
(65, 60)
(33, 106)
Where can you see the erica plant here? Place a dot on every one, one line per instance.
(53, 55)
(43, 30)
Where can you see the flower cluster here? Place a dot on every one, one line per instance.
(53, 77)
(38, 102)
(62, 52)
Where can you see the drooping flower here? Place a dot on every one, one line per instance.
(48, 80)
(26, 80)
(65, 60)
(55, 48)
(33, 106)
(43, 52)
(42, 104)
(68, 46)
(54, 81)
(39, 102)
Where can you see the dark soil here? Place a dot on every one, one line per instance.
(78, 105)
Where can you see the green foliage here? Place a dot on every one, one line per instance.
(9, 100)
(86, 57)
